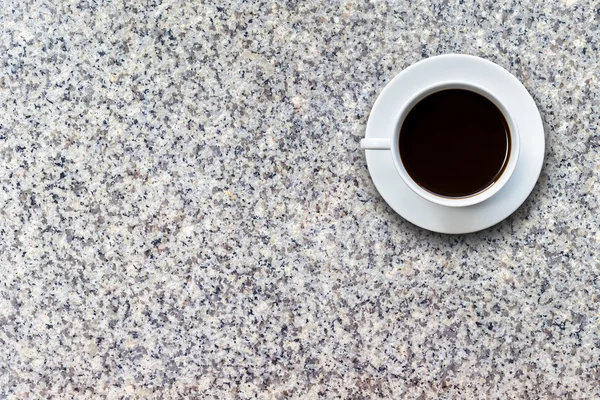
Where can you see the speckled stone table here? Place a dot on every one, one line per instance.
(185, 212)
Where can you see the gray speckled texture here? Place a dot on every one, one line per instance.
(185, 212)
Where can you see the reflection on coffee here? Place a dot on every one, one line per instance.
(455, 143)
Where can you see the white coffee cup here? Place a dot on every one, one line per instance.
(390, 141)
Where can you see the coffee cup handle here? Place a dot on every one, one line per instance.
(376, 144)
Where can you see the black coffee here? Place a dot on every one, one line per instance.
(455, 143)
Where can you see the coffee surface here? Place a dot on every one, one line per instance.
(454, 143)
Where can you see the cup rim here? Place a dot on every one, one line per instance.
(474, 198)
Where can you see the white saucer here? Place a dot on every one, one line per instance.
(521, 107)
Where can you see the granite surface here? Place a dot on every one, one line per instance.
(185, 212)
